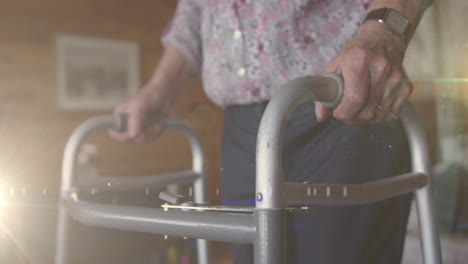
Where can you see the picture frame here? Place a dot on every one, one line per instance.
(95, 73)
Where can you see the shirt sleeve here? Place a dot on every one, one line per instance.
(183, 32)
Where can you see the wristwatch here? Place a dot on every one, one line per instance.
(392, 20)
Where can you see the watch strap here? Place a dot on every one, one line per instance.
(392, 20)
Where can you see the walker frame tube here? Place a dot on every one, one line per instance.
(428, 233)
(269, 180)
(223, 227)
(69, 186)
(264, 225)
(353, 194)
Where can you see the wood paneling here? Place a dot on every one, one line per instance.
(33, 131)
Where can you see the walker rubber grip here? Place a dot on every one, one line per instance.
(340, 90)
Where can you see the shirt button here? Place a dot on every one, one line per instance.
(237, 34)
(241, 71)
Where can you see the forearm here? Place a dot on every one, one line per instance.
(170, 76)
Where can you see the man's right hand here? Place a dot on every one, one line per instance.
(144, 106)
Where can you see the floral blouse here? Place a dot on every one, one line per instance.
(246, 49)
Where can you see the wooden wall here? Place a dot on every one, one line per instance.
(33, 131)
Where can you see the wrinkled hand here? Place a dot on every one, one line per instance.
(142, 107)
(371, 66)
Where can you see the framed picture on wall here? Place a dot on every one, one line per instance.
(94, 73)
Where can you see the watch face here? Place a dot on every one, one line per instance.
(396, 21)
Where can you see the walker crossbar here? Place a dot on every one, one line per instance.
(216, 226)
(262, 226)
(352, 194)
(135, 183)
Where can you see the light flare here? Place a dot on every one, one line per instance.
(2, 197)
(3, 202)
(450, 80)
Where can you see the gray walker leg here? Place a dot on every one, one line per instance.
(269, 246)
(270, 184)
(62, 240)
(264, 225)
(429, 237)
(69, 185)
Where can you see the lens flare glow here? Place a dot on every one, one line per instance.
(450, 80)
(2, 201)
(2, 195)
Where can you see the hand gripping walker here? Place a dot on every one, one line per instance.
(262, 226)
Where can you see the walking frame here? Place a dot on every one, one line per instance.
(262, 225)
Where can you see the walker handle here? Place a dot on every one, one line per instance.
(122, 121)
(328, 91)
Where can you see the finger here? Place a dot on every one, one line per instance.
(122, 137)
(391, 116)
(402, 97)
(398, 91)
(135, 124)
(379, 70)
(392, 88)
(153, 133)
(368, 112)
(392, 93)
(322, 113)
(389, 97)
(139, 140)
(356, 93)
(149, 134)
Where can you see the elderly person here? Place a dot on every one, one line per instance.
(244, 50)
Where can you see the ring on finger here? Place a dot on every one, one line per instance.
(392, 115)
(381, 112)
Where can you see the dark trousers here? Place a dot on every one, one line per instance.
(323, 152)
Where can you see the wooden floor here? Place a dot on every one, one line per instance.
(454, 250)
(454, 246)
(40, 237)
(221, 253)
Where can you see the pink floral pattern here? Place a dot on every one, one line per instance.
(246, 49)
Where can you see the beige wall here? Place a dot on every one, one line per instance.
(436, 61)
(33, 130)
